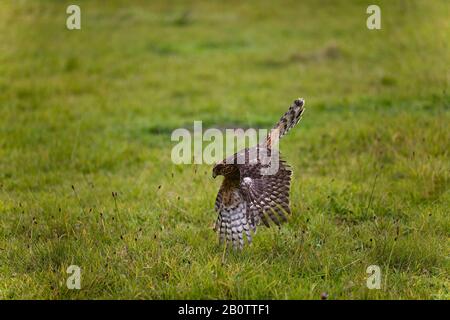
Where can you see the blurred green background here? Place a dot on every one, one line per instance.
(85, 170)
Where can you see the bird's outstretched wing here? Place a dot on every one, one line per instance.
(267, 195)
(288, 120)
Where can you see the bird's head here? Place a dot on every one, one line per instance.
(217, 170)
(223, 169)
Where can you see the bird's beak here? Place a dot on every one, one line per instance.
(214, 175)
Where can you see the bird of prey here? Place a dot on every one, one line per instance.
(247, 196)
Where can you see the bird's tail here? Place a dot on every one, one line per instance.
(288, 120)
(232, 225)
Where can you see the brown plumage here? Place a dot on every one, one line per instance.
(248, 197)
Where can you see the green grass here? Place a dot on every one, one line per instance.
(87, 113)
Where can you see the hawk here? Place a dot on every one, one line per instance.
(248, 197)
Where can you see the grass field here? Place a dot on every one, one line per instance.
(88, 113)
